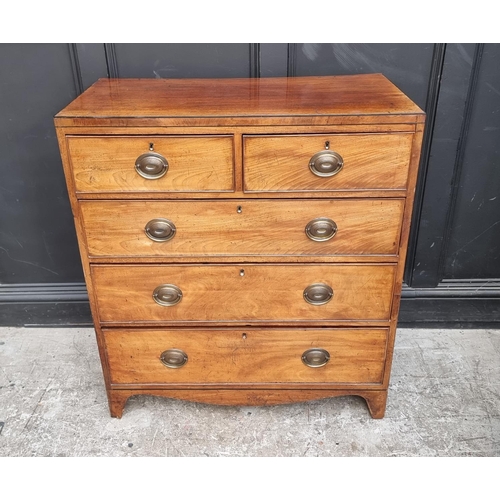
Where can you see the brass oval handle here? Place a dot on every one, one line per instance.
(160, 229)
(318, 294)
(167, 295)
(316, 358)
(151, 165)
(326, 163)
(174, 358)
(321, 229)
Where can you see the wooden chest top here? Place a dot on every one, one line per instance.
(298, 100)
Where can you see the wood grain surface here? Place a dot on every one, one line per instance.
(196, 163)
(281, 163)
(118, 102)
(375, 399)
(217, 293)
(246, 356)
(242, 227)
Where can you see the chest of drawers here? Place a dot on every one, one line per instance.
(243, 240)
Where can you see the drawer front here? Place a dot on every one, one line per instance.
(246, 293)
(242, 227)
(246, 356)
(195, 163)
(369, 161)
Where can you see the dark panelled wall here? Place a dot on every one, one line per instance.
(37, 242)
(453, 268)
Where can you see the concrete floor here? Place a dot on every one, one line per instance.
(444, 400)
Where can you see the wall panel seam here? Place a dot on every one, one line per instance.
(459, 159)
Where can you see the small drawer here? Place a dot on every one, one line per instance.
(253, 356)
(326, 162)
(176, 164)
(242, 228)
(246, 293)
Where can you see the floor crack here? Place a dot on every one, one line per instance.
(36, 406)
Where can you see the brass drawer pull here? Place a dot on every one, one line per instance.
(321, 229)
(160, 229)
(316, 358)
(151, 165)
(318, 294)
(167, 295)
(173, 358)
(326, 163)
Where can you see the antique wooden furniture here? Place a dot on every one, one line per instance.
(243, 240)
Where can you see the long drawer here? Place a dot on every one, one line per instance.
(341, 356)
(326, 162)
(242, 227)
(246, 293)
(110, 164)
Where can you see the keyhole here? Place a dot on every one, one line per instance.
(327, 145)
(151, 146)
(242, 272)
(239, 209)
(244, 336)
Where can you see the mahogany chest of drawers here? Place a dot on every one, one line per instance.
(243, 240)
